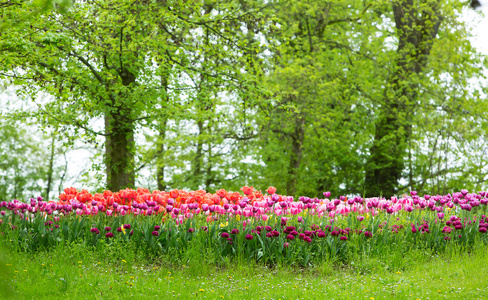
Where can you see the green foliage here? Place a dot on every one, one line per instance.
(355, 97)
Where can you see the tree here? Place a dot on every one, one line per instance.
(420, 26)
(104, 60)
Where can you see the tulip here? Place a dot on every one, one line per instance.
(108, 228)
(343, 238)
(360, 218)
(286, 245)
(446, 229)
(249, 236)
(109, 235)
(224, 235)
(155, 233)
(271, 190)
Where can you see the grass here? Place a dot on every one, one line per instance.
(76, 272)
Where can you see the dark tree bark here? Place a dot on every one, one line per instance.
(50, 169)
(119, 142)
(160, 164)
(297, 139)
(417, 26)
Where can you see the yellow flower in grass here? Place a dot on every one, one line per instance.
(223, 225)
(201, 290)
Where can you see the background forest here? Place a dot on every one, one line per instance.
(355, 97)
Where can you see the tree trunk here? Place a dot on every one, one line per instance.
(119, 141)
(160, 161)
(160, 164)
(296, 154)
(197, 160)
(119, 151)
(50, 170)
(417, 27)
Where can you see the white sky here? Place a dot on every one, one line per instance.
(80, 160)
(479, 26)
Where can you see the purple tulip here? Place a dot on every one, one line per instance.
(300, 219)
(327, 194)
(268, 228)
(157, 227)
(360, 218)
(249, 236)
(225, 235)
(108, 228)
(343, 238)
(109, 235)
(440, 215)
(290, 237)
(482, 229)
(368, 234)
(155, 233)
(234, 231)
(286, 245)
(95, 230)
(191, 230)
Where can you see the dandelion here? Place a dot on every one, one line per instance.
(124, 261)
(201, 290)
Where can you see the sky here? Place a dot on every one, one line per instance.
(79, 160)
(479, 26)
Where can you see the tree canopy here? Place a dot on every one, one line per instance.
(371, 98)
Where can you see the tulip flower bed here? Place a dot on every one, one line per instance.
(267, 228)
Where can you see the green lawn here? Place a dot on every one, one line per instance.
(78, 273)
